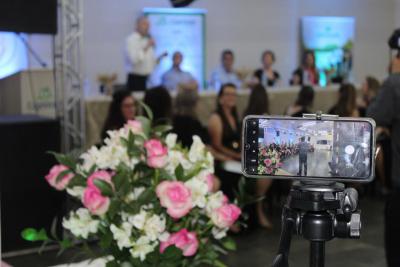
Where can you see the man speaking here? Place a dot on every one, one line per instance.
(303, 150)
(140, 55)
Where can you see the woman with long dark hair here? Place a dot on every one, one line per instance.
(258, 101)
(346, 105)
(307, 73)
(159, 101)
(259, 105)
(303, 103)
(122, 108)
(224, 131)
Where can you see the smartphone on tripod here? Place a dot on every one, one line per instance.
(332, 149)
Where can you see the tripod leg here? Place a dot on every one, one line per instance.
(317, 254)
(288, 225)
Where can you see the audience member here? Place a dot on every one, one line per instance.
(369, 90)
(224, 130)
(266, 76)
(385, 110)
(307, 74)
(141, 59)
(225, 73)
(159, 101)
(122, 108)
(303, 102)
(185, 121)
(259, 105)
(176, 78)
(346, 105)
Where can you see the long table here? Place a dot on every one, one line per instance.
(96, 108)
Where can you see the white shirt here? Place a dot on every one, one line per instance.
(140, 61)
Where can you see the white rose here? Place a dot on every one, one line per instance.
(80, 223)
(199, 190)
(196, 152)
(89, 158)
(163, 237)
(219, 233)
(154, 226)
(170, 140)
(122, 235)
(135, 194)
(141, 248)
(215, 201)
(174, 159)
(138, 220)
(76, 191)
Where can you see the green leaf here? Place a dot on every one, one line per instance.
(162, 129)
(171, 253)
(77, 180)
(147, 109)
(218, 263)
(228, 243)
(112, 263)
(180, 173)
(106, 240)
(113, 209)
(146, 124)
(31, 234)
(64, 159)
(146, 196)
(61, 175)
(104, 187)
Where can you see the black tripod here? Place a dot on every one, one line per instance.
(318, 212)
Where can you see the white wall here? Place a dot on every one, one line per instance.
(248, 27)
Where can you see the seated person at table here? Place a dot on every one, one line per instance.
(266, 76)
(303, 103)
(225, 73)
(122, 108)
(307, 74)
(176, 78)
(346, 105)
(159, 101)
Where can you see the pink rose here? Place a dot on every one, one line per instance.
(135, 126)
(176, 197)
(99, 175)
(269, 170)
(226, 215)
(156, 153)
(55, 171)
(267, 162)
(94, 201)
(184, 240)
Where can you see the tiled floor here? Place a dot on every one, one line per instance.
(258, 248)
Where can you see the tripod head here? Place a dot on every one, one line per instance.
(318, 211)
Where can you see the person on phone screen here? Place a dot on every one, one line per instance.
(303, 150)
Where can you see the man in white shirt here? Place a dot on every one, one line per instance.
(141, 59)
(176, 78)
(225, 73)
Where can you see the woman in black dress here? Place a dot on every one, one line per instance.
(266, 76)
(224, 131)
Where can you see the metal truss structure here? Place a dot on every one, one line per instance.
(68, 74)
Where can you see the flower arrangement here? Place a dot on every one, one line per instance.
(269, 161)
(145, 199)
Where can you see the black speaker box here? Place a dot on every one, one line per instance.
(26, 198)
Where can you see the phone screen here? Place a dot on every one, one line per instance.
(313, 148)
